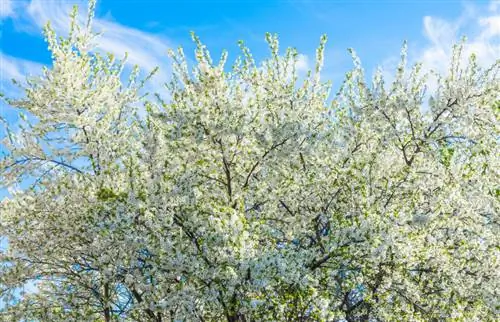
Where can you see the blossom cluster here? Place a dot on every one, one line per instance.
(249, 194)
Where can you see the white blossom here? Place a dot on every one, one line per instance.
(247, 196)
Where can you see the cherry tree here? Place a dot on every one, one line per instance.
(247, 194)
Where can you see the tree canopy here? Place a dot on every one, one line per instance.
(249, 193)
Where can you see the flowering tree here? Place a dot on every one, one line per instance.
(246, 196)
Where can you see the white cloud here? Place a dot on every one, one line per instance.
(302, 65)
(494, 5)
(144, 49)
(480, 25)
(16, 68)
(491, 26)
(6, 8)
(439, 31)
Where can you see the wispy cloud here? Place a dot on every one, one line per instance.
(482, 28)
(6, 8)
(303, 64)
(494, 5)
(144, 49)
(15, 68)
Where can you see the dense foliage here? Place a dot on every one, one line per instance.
(246, 194)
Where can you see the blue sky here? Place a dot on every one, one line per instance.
(147, 28)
